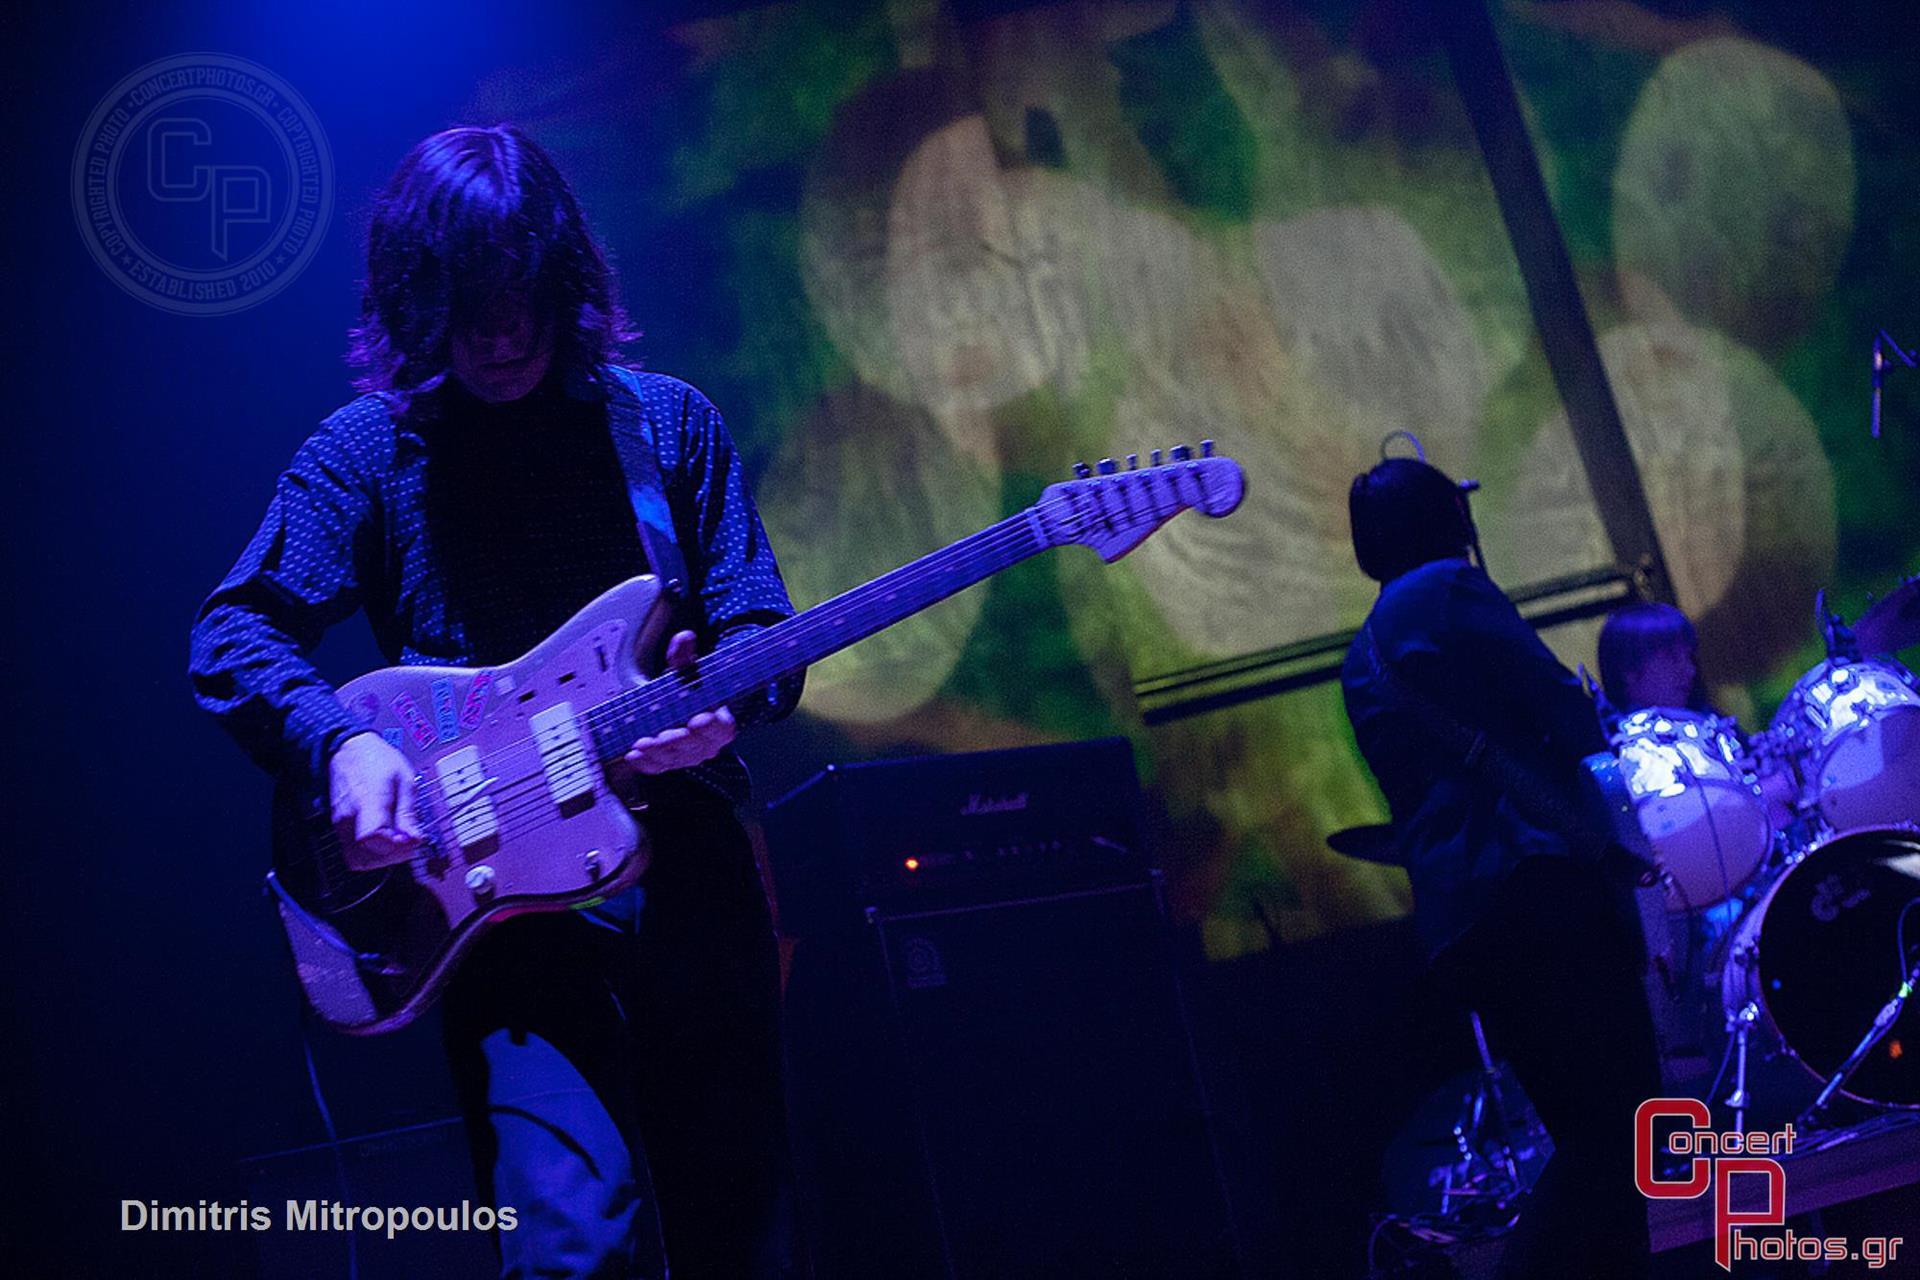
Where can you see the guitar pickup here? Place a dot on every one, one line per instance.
(564, 757)
(470, 810)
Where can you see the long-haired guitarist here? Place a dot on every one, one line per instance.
(1541, 941)
(617, 1065)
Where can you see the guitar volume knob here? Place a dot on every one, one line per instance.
(480, 881)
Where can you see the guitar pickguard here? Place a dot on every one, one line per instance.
(519, 813)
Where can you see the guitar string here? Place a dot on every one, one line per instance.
(621, 707)
(1004, 535)
(645, 701)
(985, 544)
(509, 821)
(995, 539)
(964, 555)
(635, 703)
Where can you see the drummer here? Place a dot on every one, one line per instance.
(1650, 657)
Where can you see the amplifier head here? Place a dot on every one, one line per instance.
(937, 831)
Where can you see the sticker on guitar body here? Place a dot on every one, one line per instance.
(475, 705)
(416, 723)
(443, 713)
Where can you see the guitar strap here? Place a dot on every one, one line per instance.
(639, 455)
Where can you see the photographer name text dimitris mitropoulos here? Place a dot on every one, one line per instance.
(315, 1215)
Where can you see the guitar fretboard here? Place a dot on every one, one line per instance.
(745, 668)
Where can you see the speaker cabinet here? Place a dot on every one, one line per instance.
(1003, 1089)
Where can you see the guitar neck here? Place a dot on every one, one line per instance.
(744, 668)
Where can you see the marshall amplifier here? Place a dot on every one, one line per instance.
(990, 1068)
(943, 831)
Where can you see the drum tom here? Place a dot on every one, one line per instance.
(1818, 958)
(1853, 727)
(1695, 799)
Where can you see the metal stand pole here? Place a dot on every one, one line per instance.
(1882, 1023)
(1740, 1026)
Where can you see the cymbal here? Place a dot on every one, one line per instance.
(1891, 622)
(1370, 844)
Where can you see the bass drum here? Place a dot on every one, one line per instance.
(1695, 799)
(1853, 728)
(1818, 958)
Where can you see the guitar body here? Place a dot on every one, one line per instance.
(516, 806)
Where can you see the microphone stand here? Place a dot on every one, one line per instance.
(1881, 342)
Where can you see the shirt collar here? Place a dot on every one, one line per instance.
(424, 408)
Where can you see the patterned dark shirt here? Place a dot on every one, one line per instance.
(468, 532)
(1448, 632)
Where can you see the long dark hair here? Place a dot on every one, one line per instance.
(471, 213)
(1636, 632)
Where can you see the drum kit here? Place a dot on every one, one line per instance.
(1796, 854)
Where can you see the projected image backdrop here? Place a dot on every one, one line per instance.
(950, 255)
(1733, 184)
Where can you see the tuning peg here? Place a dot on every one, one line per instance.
(1156, 457)
(1206, 448)
(1108, 466)
(1133, 462)
(1182, 452)
(1082, 470)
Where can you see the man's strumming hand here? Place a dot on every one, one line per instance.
(371, 786)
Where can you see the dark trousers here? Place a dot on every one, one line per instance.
(620, 1074)
(1554, 970)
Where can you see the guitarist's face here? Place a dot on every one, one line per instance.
(503, 353)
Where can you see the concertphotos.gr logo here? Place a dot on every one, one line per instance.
(1714, 1159)
(202, 184)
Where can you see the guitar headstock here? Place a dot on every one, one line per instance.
(1114, 508)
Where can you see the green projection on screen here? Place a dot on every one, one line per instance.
(956, 256)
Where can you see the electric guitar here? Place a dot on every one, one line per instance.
(512, 788)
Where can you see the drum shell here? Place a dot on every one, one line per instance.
(1852, 728)
(1695, 800)
(1815, 957)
